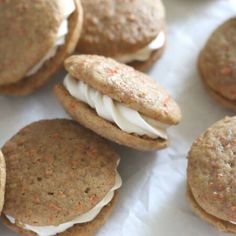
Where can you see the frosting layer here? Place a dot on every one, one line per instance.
(86, 217)
(144, 53)
(63, 30)
(125, 118)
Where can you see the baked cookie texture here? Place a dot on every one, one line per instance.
(49, 154)
(18, 53)
(217, 64)
(113, 28)
(2, 180)
(211, 175)
(124, 85)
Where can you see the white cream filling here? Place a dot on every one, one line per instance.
(144, 53)
(61, 37)
(233, 222)
(125, 118)
(86, 217)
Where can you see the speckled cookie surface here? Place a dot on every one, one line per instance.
(58, 170)
(87, 117)
(125, 85)
(112, 27)
(2, 180)
(212, 170)
(217, 61)
(218, 223)
(26, 85)
(86, 229)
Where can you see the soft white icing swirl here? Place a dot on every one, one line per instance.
(144, 53)
(86, 217)
(125, 118)
(61, 36)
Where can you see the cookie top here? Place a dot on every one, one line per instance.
(56, 170)
(2, 180)
(212, 170)
(217, 61)
(113, 28)
(27, 31)
(125, 85)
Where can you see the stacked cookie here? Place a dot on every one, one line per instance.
(217, 64)
(62, 179)
(35, 40)
(132, 32)
(117, 102)
(211, 175)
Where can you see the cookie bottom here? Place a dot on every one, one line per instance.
(37, 80)
(146, 65)
(87, 117)
(221, 225)
(86, 229)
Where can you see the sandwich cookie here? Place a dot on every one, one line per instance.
(217, 64)
(117, 102)
(35, 38)
(2, 180)
(211, 175)
(132, 32)
(61, 180)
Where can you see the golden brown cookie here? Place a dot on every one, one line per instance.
(2, 180)
(125, 87)
(59, 171)
(22, 47)
(117, 28)
(217, 64)
(211, 175)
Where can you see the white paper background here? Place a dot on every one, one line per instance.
(152, 200)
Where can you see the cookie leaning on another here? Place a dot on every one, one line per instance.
(211, 175)
(61, 180)
(131, 31)
(217, 64)
(35, 38)
(117, 102)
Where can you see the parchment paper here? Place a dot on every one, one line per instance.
(152, 200)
